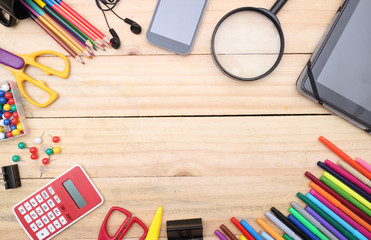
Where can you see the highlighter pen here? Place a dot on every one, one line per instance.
(282, 226)
(266, 236)
(269, 229)
(220, 235)
(313, 221)
(251, 230)
(342, 215)
(302, 227)
(347, 196)
(307, 224)
(318, 210)
(242, 237)
(347, 189)
(325, 223)
(287, 237)
(228, 232)
(343, 200)
(242, 229)
(345, 181)
(354, 172)
(288, 223)
(363, 164)
(348, 176)
(355, 232)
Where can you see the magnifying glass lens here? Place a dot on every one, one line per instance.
(247, 44)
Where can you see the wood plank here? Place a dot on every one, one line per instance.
(303, 22)
(165, 147)
(168, 85)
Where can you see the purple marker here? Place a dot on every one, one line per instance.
(220, 235)
(325, 223)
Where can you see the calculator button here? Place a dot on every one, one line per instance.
(45, 207)
(57, 224)
(28, 206)
(51, 216)
(33, 214)
(63, 220)
(33, 227)
(45, 219)
(39, 198)
(51, 203)
(51, 228)
(33, 202)
(51, 190)
(56, 198)
(22, 210)
(39, 211)
(45, 194)
(39, 223)
(27, 218)
(56, 211)
(43, 233)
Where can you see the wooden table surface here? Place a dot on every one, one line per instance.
(152, 128)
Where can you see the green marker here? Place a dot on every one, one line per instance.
(335, 224)
(287, 237)
(307, 224)
(345, 195)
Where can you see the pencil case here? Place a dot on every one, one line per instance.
(13, 118)
(10, 12)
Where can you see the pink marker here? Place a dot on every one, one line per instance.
(348, 176)
(364, 164)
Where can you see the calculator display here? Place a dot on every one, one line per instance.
(74, 193)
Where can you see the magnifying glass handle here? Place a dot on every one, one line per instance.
(277, 6)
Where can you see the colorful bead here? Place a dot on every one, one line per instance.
(19, 127)
(3, 100)
(7, 122)
(1, 129)
(7, 115)
(8, 95)
(57, 150)
(15, 132)
(15, 115)
(2, 93)
(15, 158)
(2, 123)
(12, 127)
(11, 101)
(6, 107)
(14, 121)
(13, 108)
(9, 134)
(2, 135)
(21, 145)
(49, 151)
(5, 87)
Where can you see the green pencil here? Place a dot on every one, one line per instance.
(335, 224)
(345, 195)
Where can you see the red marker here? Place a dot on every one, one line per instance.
(242, 229)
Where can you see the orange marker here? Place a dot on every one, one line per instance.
(338, 204)
(345, 157)
(269, 229)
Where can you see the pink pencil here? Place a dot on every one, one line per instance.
(364, 164)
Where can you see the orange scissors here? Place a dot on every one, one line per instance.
(17, 64)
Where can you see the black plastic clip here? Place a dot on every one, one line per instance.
(11, 176)
(184, 229)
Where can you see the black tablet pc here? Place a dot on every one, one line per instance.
(338, 75)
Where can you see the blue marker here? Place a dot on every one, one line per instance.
(302, 227)
(250, 230)
(266, 236)
(338, 219)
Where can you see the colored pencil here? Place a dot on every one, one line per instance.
(337, 204)
(345, 157)
(269, 229)
(345, 181)
(325, 223)
(64, 22)
(52, 34)
(82, 20)
(314, 221)
(354, 172)
(282, 226)
(347, 200)
(241, 228)
(338, 219)
(348, 176)
(347, 189)
(364, 164)
(55, 6)
(288, 223)
(334, 223)
(266, 236)
(220, 235)
(302, 227)
(251, 230)
(228, 232)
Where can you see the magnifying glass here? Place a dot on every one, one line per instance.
(248, 43)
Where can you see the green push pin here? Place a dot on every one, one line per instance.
(22, 145)
(16, 158)
(13, 108)
(49, 151)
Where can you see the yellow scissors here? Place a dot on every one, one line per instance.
(17, 64)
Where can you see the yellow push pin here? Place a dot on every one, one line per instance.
(154, 229)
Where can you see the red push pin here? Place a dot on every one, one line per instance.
(33, 150)
(55, 139)
(34, 156)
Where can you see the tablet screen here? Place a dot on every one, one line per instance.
(178, 19)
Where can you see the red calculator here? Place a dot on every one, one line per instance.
(57, 205)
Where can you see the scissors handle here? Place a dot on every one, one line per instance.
(11, 60)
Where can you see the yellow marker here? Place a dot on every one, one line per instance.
(242, 237)
(347, 189)
(154, 229)
(269, 229)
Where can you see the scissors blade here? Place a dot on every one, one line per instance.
(11, 60)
